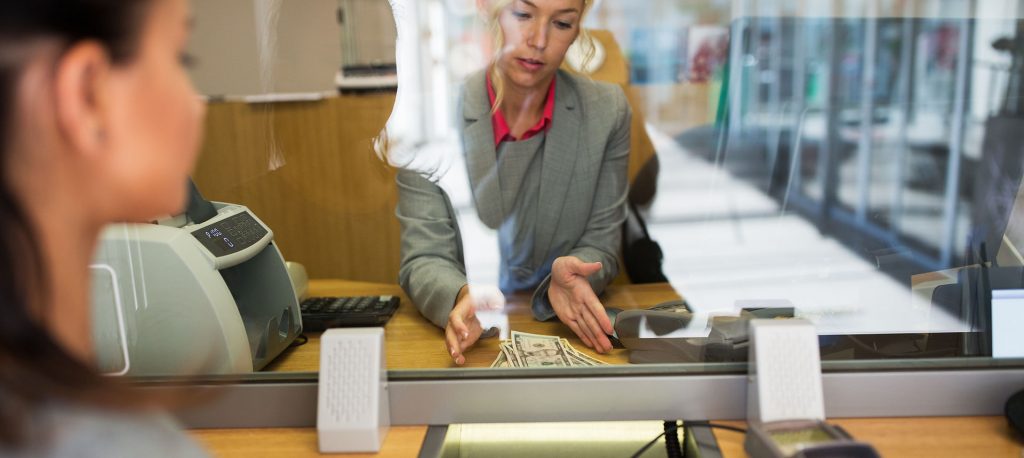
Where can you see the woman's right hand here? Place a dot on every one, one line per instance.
(575, 303)
(463, 329)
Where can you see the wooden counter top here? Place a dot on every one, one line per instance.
(412, 342)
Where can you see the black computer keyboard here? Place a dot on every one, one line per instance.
(320, 313)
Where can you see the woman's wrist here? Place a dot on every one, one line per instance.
(461, 295)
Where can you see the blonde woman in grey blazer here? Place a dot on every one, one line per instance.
(547, 154)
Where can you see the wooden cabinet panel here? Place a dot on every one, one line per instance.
(308, 170)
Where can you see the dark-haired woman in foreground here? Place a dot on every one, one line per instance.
(98, 124)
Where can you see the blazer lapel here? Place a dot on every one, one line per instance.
(481, 157)
(560, 151)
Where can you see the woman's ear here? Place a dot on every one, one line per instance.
(82, 97)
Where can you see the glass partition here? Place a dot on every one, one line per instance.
(854, 163)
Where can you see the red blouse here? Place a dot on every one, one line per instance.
(501, 130)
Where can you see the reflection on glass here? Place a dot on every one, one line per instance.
(856, 164)
(846, 184)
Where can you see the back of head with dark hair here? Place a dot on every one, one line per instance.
(34, 368)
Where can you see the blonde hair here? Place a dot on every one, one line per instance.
(496, 7)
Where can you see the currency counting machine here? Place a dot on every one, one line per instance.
(206, 292)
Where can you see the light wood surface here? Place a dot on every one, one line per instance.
(930, 437)
(893, 437)
(412, 342)
(401, 441)
(309, 171)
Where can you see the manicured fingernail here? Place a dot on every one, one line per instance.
(465, 335)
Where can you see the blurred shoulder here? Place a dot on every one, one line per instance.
(593, 91)
(66, 430)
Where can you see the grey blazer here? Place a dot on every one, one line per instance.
(582, 204)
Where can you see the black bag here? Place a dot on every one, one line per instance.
(641, 256)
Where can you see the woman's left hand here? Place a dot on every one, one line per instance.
(575, 303)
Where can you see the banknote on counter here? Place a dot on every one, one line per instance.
(500, 361)
(535, 350)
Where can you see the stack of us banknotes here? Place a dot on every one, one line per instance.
(535, 350)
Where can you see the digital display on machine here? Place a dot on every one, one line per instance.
(231, 234)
